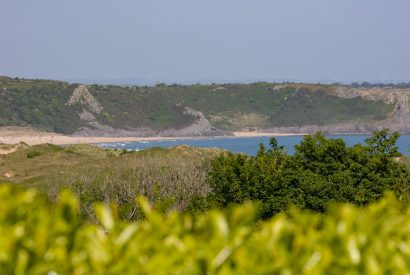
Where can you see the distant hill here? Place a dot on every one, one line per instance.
(201, 110)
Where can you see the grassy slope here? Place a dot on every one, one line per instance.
(97, 174)
(41, 104)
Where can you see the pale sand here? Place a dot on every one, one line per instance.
(32, 137)
(66, 140)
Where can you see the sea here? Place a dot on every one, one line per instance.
(247, 145)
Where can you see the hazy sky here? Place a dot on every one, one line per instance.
(197, 40)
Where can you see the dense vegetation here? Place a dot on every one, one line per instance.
(321, 171)
(42, 104)
(38, 239)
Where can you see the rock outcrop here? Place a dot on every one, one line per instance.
(201, 127)
(82, 96)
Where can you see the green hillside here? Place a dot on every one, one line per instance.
(43, 104)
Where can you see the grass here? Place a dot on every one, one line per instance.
(174, 176)
(40, 160)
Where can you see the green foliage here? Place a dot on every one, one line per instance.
(321, 171)
(381, 144)
(33, 153)
(38, 239)
(37, 151)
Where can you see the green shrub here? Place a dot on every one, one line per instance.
(33, 154)
(37, 238)
(55, 148)
(321, 171)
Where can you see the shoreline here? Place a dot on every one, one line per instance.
(57, 139)
(41, 138)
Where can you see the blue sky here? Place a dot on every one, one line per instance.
(212, 40)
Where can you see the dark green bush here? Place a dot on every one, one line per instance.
(33, 154)
(321, 171)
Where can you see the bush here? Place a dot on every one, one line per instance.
(321, 171)
(39, 239)
(33, 154)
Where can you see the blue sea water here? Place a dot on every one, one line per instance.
(248, 145)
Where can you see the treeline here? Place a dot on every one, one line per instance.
(400, 85)
(321, 171)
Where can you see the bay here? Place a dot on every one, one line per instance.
(247, 145)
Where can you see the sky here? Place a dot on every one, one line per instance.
(183, 41)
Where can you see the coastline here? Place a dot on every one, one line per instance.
(31, 136)
(41, 138)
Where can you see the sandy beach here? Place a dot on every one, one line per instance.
(65, 140)
(13, 135)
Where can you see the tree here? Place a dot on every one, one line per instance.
(383, 144)
(321, 171)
